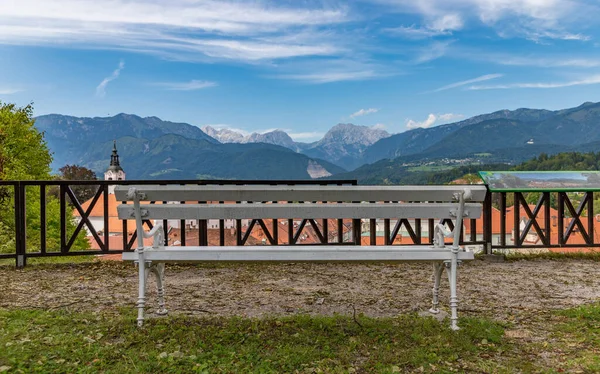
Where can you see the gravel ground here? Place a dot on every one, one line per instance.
(510, 290)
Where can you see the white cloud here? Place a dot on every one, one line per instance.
(447, 22)
(379, 126)
(432, 119)
(364, 112)
(177, 29)
(468, 81)
(186, 86)
(443, 25)
(330, 71)
(580, 62)
(229, 16)
(413, 32)
(530, 19)
(411, 124)
(9, 91)
(538, 35)
(331, 76)
(595, 79)
(101, 89)
(432, 52)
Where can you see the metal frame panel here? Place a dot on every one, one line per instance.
(300, 193)
(307, 210)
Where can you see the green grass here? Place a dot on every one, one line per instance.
(60, 341)
(579, 334)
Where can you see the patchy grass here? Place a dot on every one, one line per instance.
(106, 340)
(63, 341)
(578, 334)
(60, 341)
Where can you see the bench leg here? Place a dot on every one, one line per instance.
(159, 270)
(452, 270)
(438, 268)
(141, 292)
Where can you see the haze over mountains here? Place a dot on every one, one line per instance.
(153, 148)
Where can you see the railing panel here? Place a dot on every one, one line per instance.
(555, 220)
(552, 220)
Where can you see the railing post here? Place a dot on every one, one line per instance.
(487, 222)
(561, 218)
(63, 218)
(20, 222)
(590, 206)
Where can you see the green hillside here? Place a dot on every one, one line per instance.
(175, 157)
(397, 172)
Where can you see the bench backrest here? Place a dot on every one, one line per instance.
(299, 193)
(289, 202)
(283, 201)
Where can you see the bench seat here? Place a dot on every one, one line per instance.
(297, 253)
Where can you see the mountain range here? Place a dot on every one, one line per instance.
(277, 137)
(342, 145)
(153, 148)
(500, 137)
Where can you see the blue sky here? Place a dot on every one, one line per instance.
(301, 66)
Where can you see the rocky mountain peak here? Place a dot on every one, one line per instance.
(224, 135)
(348, 133)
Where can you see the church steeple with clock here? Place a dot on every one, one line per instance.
(115, 171)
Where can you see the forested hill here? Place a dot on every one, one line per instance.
(393, 173)
(562, 161)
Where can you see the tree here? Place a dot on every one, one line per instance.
(79, 173)
(24, 155)
(76, 173)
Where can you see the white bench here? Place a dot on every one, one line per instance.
(356, 202)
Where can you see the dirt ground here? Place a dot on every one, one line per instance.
(510, 290)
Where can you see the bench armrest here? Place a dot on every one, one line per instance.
(159, 236)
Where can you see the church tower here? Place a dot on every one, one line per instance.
(115, 171)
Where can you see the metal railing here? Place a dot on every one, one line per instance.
(18, 195)
(555, 220)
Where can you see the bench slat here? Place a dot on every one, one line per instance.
(298, 254)
(300, 193)
(307, 210)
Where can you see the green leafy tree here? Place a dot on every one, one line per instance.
(79, 173)
(24, 155)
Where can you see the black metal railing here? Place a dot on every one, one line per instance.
(552, 220)
(20, 196)
(43, 223)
